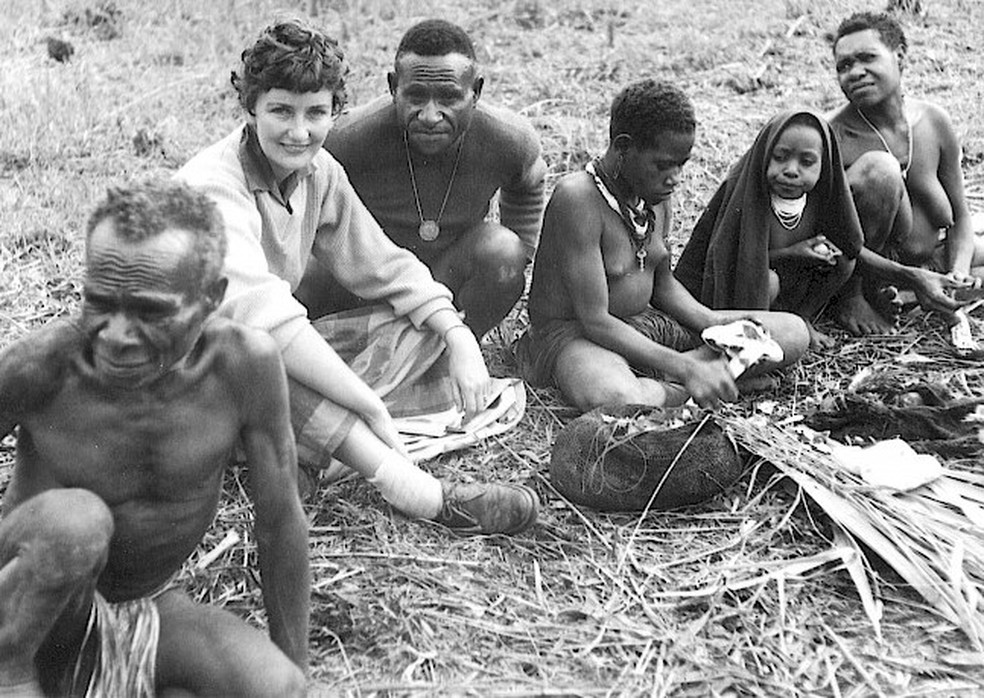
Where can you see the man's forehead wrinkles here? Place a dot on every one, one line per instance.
(429, 73)
(144, 272)
(142, 277)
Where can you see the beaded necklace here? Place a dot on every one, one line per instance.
(639, 220)
(788, 212)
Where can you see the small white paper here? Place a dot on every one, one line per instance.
(891, 463)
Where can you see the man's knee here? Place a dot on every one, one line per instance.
(498, 252)
(64, 534)
(76, 527)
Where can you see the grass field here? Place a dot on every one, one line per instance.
(732, 598)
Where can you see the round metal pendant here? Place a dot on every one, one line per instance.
(428, 231)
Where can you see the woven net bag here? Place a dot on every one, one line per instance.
(614, 458)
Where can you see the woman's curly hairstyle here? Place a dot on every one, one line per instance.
(291, 56)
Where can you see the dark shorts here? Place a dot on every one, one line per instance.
(537, 350)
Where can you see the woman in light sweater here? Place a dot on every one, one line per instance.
(285, 199)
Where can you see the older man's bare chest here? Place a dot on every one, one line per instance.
(135, 444)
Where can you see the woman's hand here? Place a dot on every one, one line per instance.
(934, 291)
(469, 376)
(708, 380)
(379, 420)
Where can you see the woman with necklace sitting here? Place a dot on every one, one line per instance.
(609, 323)
(781, 232)
(902, 158)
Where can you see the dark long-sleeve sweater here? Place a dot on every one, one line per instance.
(501, 152)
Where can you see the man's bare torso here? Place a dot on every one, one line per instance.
(154, 454)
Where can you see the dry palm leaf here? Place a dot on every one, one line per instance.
(931, 536)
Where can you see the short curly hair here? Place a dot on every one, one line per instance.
(888, 29)
(144, 210)
(291, 56)
(645, 109)
(435, 37)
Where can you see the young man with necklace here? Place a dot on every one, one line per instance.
(427, 160)
(609, 323)
(902, 158)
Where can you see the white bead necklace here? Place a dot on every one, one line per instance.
(788, 212)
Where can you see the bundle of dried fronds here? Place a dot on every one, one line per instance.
(932, 536)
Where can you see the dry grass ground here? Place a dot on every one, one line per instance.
(698, 602)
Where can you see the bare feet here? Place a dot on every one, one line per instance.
(856, 315)
(819, 340)
(889, 302)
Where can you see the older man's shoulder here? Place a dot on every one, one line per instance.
(239, 342)
(33, 368)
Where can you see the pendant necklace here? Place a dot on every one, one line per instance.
(429, 230)
(908, 138)
(640, 220)
(788, 212)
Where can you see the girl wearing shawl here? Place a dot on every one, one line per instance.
(781, 232)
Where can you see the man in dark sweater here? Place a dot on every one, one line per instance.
(427, 161)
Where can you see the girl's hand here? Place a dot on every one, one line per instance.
(817, 250)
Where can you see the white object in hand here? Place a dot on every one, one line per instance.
(744, 342)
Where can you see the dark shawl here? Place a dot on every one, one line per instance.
(725, 263)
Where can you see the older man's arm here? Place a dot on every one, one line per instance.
(280, 528)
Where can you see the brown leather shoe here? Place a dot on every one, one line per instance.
(480, 508)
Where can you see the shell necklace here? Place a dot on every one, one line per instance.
(429, 230)
(788, 212)
(640, 220)
(908, 138)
